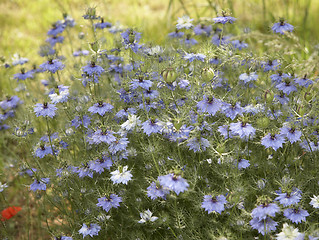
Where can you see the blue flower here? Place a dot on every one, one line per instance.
(219, 40)
(188, 41)
(288, 198)
(151, 126)
(23, 75)
(100, 136)
(244, 130)
(107, 203)
(141, 82)
(43, 151)
(304, 82)
(202, 29)
(53, 65)
(173, 182)
(224, 19)
(57, 28)
(270, 65)
(102, 24)
(232, 110)
(10, 102)
(214, 204)
(278, 77)
(85, 121)
(243, 163)
(274, 141)
(210, 105)
(248, 77)
(81, 53)
(282, 27)
(265, 210)
(296, 215)
(39, 184)
(286, 87)
(131, 39)
(292, 134)
(101, 108)
(198, 144)
(100, 164)
(118, 145)
(154, 191)
(192, 56)
(239, 44)
(93, 230)
(84, 171)
(176, 34)
(93, 70)
(263, 225)
(224, 130)
(54, 40)
(45, 110)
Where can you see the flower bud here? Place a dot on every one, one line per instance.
(208, 74)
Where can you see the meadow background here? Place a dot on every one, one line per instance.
(23, 27)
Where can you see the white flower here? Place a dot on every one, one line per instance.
(147, 216)
(59, 98)
(3, 186)
(184, 22)
(289, 233)
(121, 175)
(315, 201)
(131, 123)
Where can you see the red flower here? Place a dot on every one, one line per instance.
(9, 212)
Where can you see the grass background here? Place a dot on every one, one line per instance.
(23, 27)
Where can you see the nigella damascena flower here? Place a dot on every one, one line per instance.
(264, 210)
(248, 77)
(102, 24)
(23, 75)
(263, 225)
(290, 233)
(176, 34)
(154, 191)
(132, 122)
(286, 87)
(118, 145)
(282, 27)
(111, 202)
(242, 129)
(151, 126)
(194, 56)
(210, 105)
(84, 171)
(121, 175)
(292, 134)
(296, 215)
(81, 53)
(61, 96)
(10, 102)
(224, 19)
(232, 110)
(239, 44)
(220, 40)
(63, 238)
(198, 144)
(85, 121)
(45, 110)
(56, 29)
(102, 136)
(39, 184)
(184, 22)
(279, 77)
(188, 41)
(147, 216)
(243, 163)
(54, 40)
(173, 182)
(100, 164)
(43, 151)
(92, 230)
(288, 198)
(214, 204)
(315, 201)
(93, 70)
(303, 82)
(270, 65)
(274, 141)
(141, 82)
(53, 65)
(101, 108)
(202, 29)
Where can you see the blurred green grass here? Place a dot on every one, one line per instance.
(24, 23)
